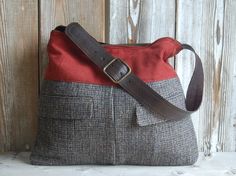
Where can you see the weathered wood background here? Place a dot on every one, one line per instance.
(208, 25)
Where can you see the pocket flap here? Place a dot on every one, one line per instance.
(147, 117)
(60, 107)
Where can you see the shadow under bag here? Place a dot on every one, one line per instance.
(115, 104)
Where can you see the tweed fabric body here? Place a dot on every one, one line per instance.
(93, 124)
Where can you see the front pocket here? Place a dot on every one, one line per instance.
(144, 116)
(62, 107)
(170, 142)
(71, 133)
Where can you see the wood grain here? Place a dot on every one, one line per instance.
(206, 27)
(188, 30)
(227, 129)
(136, 21)
(18, 73)
(89, 13)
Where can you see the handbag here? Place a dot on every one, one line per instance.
(115, 104)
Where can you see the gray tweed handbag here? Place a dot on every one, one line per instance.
(115, 104)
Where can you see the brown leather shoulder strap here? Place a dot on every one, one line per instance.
(120, 73)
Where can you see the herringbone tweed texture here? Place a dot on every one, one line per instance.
(93, 124)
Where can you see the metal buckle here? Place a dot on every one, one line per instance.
(123, 77)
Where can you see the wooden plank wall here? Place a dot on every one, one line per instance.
(208, 25)
(18, 73)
